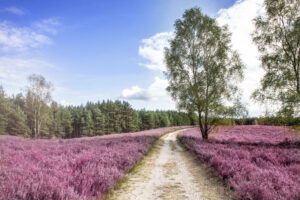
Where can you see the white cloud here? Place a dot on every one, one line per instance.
(14, 38)
(239, 19)
(48, 25)
(152, 49)
(14, 10)
(135, 92)
(154, 92)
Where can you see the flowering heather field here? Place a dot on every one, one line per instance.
(82, 168)
(258, 162)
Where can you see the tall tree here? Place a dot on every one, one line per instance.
(88, 123)
(129, 123)
(3, 111)
(277, 36)
(55, 121)
(66, 118)
(37, 97)
(98, 119)
(16, 124)
(147, 121)
(163, 120)
(20, 100)
(201, 66)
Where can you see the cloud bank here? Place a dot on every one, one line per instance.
(155, 91)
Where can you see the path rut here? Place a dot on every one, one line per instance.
(169, 172)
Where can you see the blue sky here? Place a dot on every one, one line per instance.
(99, 49)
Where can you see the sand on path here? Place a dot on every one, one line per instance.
(169, 172)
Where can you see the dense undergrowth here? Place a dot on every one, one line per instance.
(258, 162)
(83, 168)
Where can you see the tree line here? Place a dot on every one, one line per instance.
(37, 116)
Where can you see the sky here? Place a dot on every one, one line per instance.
(112, 49)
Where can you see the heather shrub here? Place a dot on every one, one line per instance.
(258, 162)
(81, 168)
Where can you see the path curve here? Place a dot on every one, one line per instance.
(170, 172)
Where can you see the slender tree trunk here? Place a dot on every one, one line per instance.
(39, 127)
(39, 119)
(202, 128)
(205, 134)
(34, 126)
(298, 82)
(205, 125)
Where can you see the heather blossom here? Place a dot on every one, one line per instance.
(80, 168)
(258, 162)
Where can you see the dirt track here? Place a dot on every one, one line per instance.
(169, 172)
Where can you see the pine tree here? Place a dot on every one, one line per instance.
(16, 124)
(66, 122)
(87, 123)
(98, 119)
(3, 112)
(54, 124)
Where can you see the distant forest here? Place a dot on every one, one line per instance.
(92, 119)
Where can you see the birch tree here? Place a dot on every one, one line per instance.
(37, 97)
(202, 69)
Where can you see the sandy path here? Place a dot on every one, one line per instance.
(169, 172)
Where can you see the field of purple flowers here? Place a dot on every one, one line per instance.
(258, 162)
(82, 168)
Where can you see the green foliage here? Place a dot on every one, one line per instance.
(16, 123)
(3, 112)
(12, 117)
(201, 67)
(224, 122)
(98, 119)
(277, 36)
(279, 121)
(270, 120)
(66, 122)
